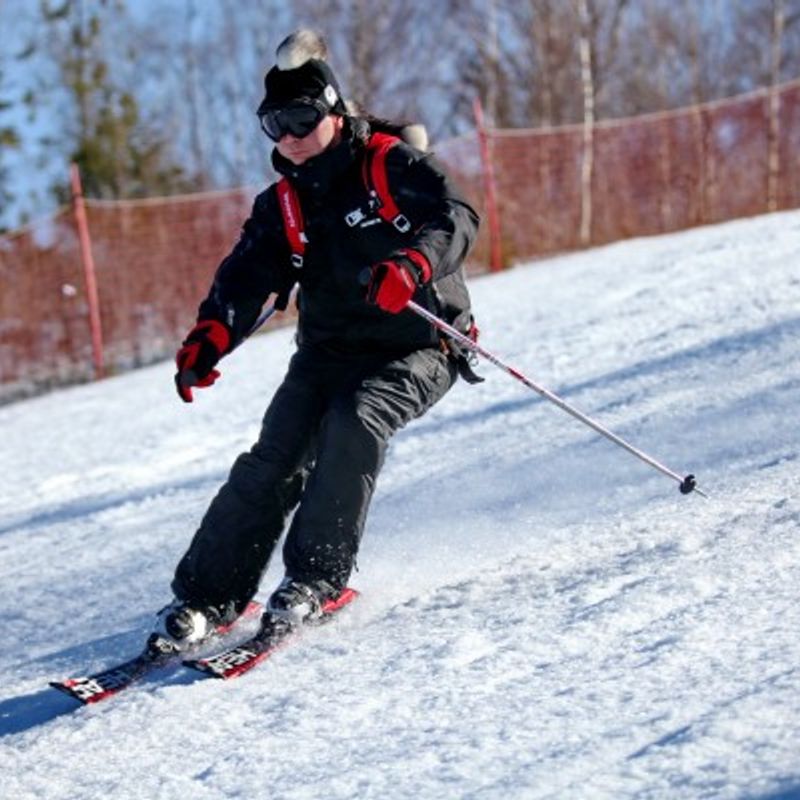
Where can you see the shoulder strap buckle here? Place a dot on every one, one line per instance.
(401, 223)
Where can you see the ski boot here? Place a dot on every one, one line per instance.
(297, 602)
(180, 627)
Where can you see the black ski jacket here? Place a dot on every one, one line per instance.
(333, 311)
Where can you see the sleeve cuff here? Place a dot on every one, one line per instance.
(421, 263)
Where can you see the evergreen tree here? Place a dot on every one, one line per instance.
(9, 139)
(119, 155)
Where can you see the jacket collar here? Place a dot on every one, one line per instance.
(318, 174)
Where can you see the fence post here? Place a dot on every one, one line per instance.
(587, 161)
(82, 223)
(490, 190)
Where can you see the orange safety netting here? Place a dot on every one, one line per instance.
(650, 174)
(154, 258)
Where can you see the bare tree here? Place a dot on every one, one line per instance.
(773, 135)
(542, 63)
(189, 69)
(194, 80)
(381, 50)
(765, 30)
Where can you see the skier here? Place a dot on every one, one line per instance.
(363, 366)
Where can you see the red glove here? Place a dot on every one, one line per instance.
(205, 344)
(393, 283)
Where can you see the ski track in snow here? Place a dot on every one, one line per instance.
(542, 616)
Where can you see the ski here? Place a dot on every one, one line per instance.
(274, 634)
(157, 654)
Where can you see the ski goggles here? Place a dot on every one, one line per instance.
(298, 118)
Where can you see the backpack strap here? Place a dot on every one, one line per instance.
(377, 181)
(293, 224)
(294, 228)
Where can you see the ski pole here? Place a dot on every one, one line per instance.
(687, 484)
(262, 318)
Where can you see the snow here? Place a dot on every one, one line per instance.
(542, 615)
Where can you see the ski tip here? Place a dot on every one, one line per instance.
(64, 688)
(80, 689)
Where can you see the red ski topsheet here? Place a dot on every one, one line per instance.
(111, 681)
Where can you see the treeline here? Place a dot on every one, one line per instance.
(154, 98)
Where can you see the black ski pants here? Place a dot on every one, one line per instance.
(321, 447)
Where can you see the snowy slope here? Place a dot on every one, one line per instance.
(543, 616)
